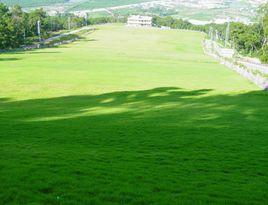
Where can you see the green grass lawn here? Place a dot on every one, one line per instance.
(130, 116)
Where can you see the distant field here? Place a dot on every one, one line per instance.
(80, 5)
(32, 3)
(130, 116)
(93, 4)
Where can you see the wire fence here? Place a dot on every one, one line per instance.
(253, 71)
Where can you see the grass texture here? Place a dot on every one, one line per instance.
(130, 116)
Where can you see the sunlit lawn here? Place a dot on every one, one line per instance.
(130, 116)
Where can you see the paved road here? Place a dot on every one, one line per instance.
(68, 33)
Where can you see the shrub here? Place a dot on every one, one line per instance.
(264, 54)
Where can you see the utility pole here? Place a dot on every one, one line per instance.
(262, 22)
(210, 34)
(51, 25)
(69, 23)
(227, 34)
(39, 30)
(216, 35)
(86, 17)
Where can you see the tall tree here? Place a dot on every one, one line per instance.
(34, 17)
(20, 25)
(264, 18)
(5, 27)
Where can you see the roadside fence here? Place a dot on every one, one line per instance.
(253, 71)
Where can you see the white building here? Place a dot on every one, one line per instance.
(141, 21)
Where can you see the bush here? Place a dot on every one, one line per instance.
(264, 54)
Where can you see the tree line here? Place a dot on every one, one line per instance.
(19, 28)
(249, 40)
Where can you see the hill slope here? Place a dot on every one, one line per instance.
(130, 116)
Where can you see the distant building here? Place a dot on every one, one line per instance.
(139, 21)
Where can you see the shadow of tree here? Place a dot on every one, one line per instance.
(164, 102)
(34, 51)
(137, 147)
(9, 59)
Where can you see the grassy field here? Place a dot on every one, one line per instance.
(130, 116)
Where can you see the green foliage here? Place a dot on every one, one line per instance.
(247, 39)
(175, 23)
(104, 20)
(265, 25)
(5, 25)
(264, 54)
(18, 28)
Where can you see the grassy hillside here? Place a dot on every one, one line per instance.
(130, 116)
(32, 3)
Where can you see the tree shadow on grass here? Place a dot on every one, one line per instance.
(9, 59)
(33, 51)
(144, 146)
(155, 103)
(88, 39)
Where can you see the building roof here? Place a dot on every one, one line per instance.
(138, 17)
